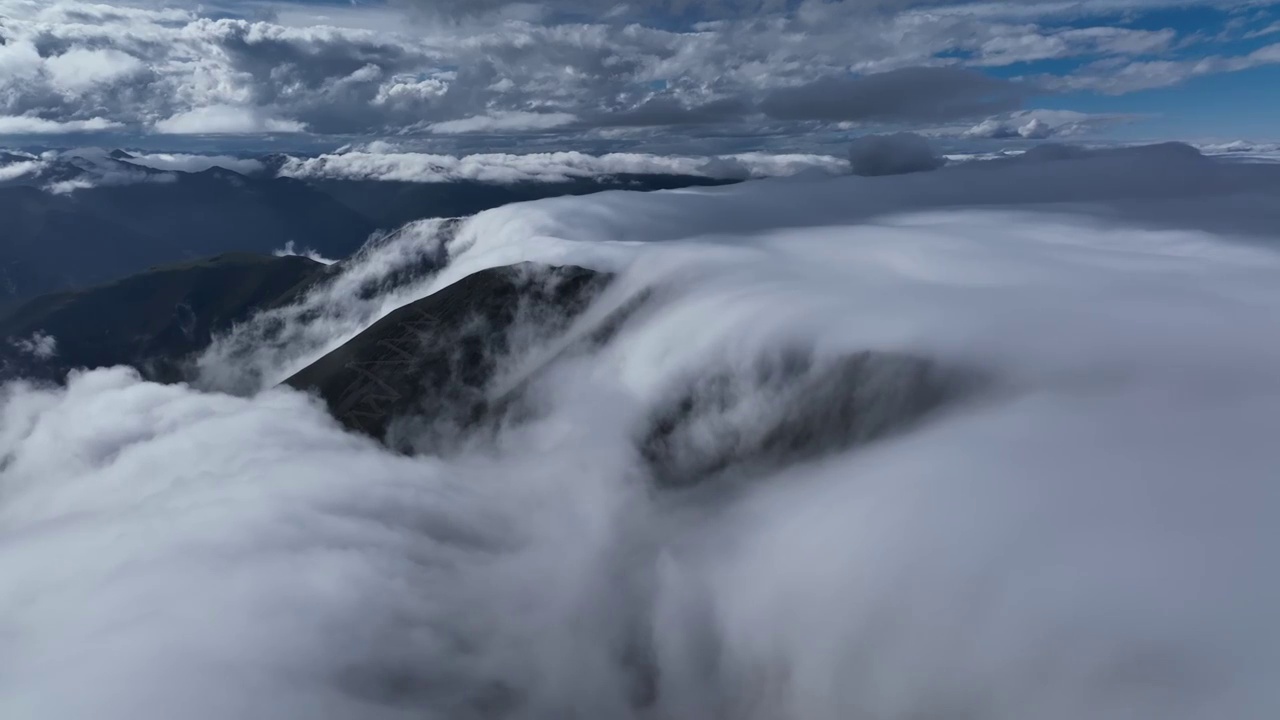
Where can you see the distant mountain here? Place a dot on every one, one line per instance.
(152, 320)
(117, 224)
(71, 221)
(52, 242)
(391, 203)
(219, 210)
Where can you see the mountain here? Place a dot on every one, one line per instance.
(457, 365)
(52, 242)
(391, 203)
(152, 320)
(63, 240)
(218, 210)
(439, 356)
(75, 220)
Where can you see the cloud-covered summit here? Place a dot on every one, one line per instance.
(1089, 536)
(731, 71)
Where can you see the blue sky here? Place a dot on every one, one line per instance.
(1236, 104)
(719, 75)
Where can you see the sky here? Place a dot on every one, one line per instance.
(662, 76)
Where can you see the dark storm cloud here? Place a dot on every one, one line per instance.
(908, 95)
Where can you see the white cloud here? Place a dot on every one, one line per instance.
(91, 167)
(372, 70)
(513, 121)
(185, 162)
(225, 120)
(79, 69)
(21, 168)
(1272, 29)
(170, 553)
(40, 345)
(27, 125)
(291, 249)
(1243, 150)
(544, 167)
(1117, 78)
(1038, 125)
(1033, 44)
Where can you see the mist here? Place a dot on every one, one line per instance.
(1084, 531)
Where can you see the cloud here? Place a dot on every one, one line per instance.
(544, 167)
(1272, 29)
(28, 125)
(225, 120)
(185, 162)
(1035, 44)
(87, 167)
(1035, 124)
(588, 72)
(913, 95)
(291, 249)
(80, 69)
(90, 167)
(896, 154)
(40, 345)
(512, 121)
(20, 168)
(1118, 78)
(199, 555)
(608, 9)
(668, 111)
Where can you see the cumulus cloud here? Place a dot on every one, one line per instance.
(225, 120)
(544, 167)
(89, 167)
(80, 69)
(1033, 129)
(1038, 124)
(919, 94)
(20, 168)
(186, 162)
(512, 121)
(29, 125)
(172, 553)
(370, 69)
(894, 154)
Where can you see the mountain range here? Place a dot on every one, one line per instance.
(73, 221)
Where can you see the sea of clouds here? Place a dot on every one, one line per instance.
(69, 170)
(65, 171)
(1089, 536)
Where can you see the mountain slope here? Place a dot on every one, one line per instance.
(438, 357)
(447, 369)
(392, 203)
(151, 321)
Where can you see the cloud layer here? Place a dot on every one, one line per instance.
(726, 69)
(1092, 538)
